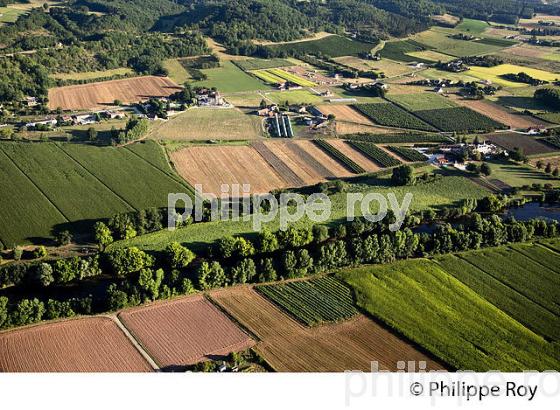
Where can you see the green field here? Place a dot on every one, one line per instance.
(442, 192)
(176, 71)
(10, 15)
(443, 315)
(440, 40)
(519, 175)
(472, 26)
(530, 314)
(228, 78)
(75, 183)
(262, 63)
(294, 97)
(332, 46)
(390, 115)
(408, 154)
(313, 302)
(421, 101)
(458, 119)
(399, 51)
(93, 75)
(291, 77)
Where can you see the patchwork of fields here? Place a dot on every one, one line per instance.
(70, 183)
(332, 46)
(103, 94)
(288, 346)
(266, 165)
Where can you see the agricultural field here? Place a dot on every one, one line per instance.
(176, 71)
(9, 14)
(313, 302)
(344, 113)
(262, 63)
(431, 55)
(293, 97)
(399, 51)
(520, 175)
(228, 78)
(473, 26)
(421, 101)
(439, 39)
(184, 332)
(103, 94)
(379, 155)
(551, 117)
(208, 124)
(355, 155)
(288, 346)
(501, 114)
(78, 345)
(529, 144)
(279, 76)
(344, 128)
(93, 75)
(526, 311)
(398, 138)
(390, 115)
(388, 67)
(458, 119)
(340, 157)
(408, 154)
(332, 46)
(493, 74)
(442, 192)
(71, 183)
(422, 301)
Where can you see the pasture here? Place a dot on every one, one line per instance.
(84, 345)
(332, 46)
(472, 26)
(176, 71)
(288, 346)
(184, 331)
(103, 94)
(262, 63)
(208, 124)
(93, 75)
(65, 183)
(422, 301)
(228, 78)
(390, 68)
(520, 175)
(431, 55)
(440, 40)
(293, 97)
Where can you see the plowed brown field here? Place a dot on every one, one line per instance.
(265, 166)
(290, 347)
(501, 114)
(354, 155)
(213, 166)
(352, 128)
(97, 95)
(184, 331)
(80, 345)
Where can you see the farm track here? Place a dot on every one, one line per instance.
(278, 165)
(135, 342)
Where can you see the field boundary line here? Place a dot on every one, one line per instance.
(173, 177)
(532, 259)
(36, 186)
(276, 163)
(96, 178)
(511, 287)
(544, 245)
(135, 343)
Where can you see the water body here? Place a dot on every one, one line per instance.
(535, 210)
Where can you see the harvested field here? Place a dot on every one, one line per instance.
(278, 164)
(529, 144)
(501, 114)
(321, 159)
(345, 113)
(213, 166)
(355, 155)
(184, 332)
(208, 123)
(290, 347)
(102, 94)
(82, 345)
(352, 128)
